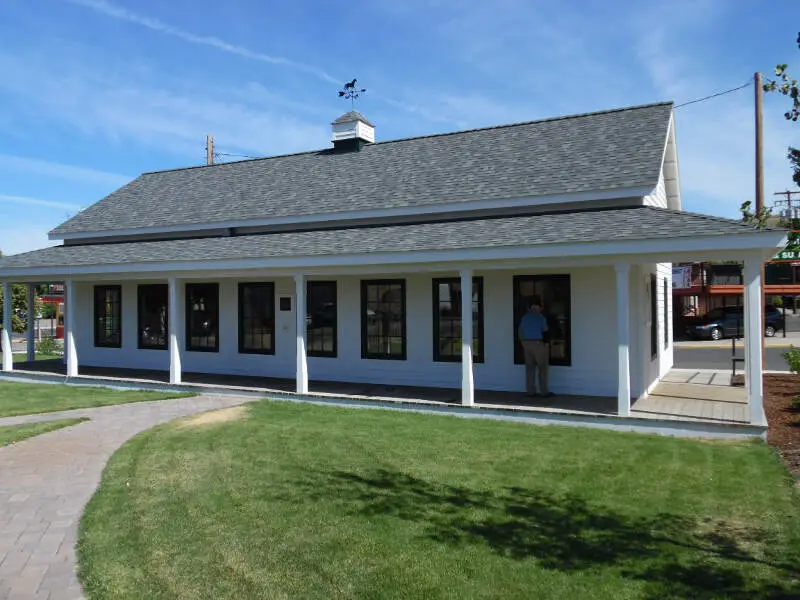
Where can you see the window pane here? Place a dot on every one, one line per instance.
(257, 318)
(321, 318)
(383, 319)
(554, 291)
(153, 315)
(202, 317)
(447, 319)
(108, 316)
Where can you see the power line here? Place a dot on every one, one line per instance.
(736, 89)
(233, 155)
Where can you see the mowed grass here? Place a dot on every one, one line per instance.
(33, 398)
(16, 433)
(20, 358)
(299, 501)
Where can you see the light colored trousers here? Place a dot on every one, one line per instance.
(537, 357)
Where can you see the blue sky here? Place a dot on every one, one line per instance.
(94, 92)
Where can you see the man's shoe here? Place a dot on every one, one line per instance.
(548, 395)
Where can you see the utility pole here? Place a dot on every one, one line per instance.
(760, 192)
(209, 149)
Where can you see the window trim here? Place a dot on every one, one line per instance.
(653, 287)
(239, 313)
(323, 353)
(365, 283)
(477, 282)
(97, 316)
(518, 354)
(139, 345)
(188, 332)
(666, 314)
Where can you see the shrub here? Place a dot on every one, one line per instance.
(792, 356)
(48, 346)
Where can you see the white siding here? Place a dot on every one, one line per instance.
(593, 307)
(659, 195)
(647, 370)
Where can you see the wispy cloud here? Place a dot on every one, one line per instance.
(97, 100)
(123, 14)
(61, 171)
(37, 202)
(17, 239)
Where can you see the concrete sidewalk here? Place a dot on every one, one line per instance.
(778, 341)
(46, 481)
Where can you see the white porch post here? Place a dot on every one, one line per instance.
(8, 359)
(300, 312)
(753, 338)
(623, 340)
(467, 377)
(176, 320)
(31, 322)
(70, 349)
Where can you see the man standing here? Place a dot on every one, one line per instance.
(531, 331)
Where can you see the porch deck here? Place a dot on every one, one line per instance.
(703, 400)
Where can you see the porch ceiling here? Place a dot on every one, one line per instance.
(635, 232)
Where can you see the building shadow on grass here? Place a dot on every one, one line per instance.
(675, 556)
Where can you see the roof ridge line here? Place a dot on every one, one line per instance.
(426, 136)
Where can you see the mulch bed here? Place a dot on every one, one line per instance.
(780, 392)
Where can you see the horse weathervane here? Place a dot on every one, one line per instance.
(351, 92)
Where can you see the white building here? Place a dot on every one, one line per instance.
(349, 264)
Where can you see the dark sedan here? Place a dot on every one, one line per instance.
(728, 321)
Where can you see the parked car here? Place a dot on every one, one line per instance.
(728, 321)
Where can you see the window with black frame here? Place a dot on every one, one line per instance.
(321, 318)
(554, 291)
(383, 319)
(108, 316)
(447, 319)
(257, 318)
(153, 315)
(202, 317)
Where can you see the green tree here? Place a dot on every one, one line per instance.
(19, 306)
(784, 84)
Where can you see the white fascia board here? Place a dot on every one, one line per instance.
(766, 243)
(326, 218)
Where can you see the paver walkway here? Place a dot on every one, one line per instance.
(46, 481)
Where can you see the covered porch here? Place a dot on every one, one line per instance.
(620, 354)
(717, 407)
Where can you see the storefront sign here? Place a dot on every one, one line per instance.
(792, 250)
(681, 277)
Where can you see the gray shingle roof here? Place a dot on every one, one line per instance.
(635, 223)
(350, 116)
(600, 151)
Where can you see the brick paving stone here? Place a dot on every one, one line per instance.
(46, 481)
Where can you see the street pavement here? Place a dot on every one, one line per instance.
(719, 356)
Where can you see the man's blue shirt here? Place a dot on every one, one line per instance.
(532, 326)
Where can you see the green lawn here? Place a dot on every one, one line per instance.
(32, 398)
(302, 501)
(19, 358)
(17, 433)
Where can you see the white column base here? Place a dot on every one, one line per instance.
(300, 313)
(31, 322)
(8, 358)
(753, 340)
(467, 371)
(175, 325)
(70, 348)
(623, 340)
